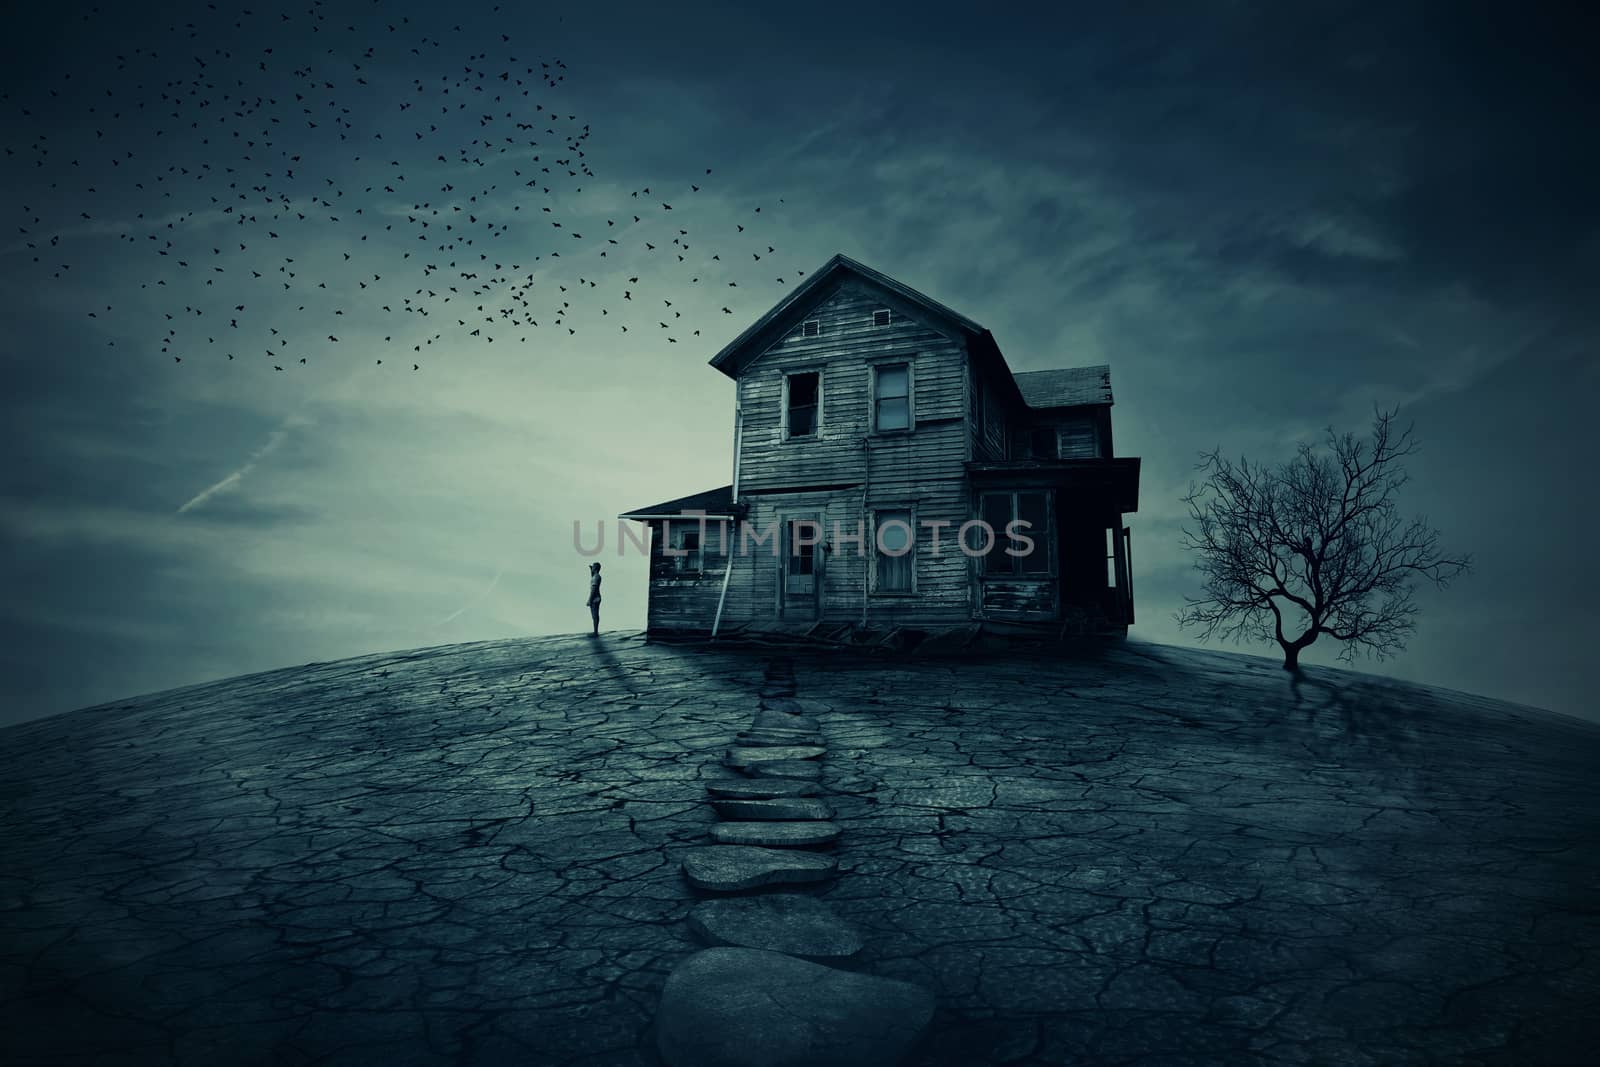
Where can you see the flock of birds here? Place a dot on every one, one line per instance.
(253, 176)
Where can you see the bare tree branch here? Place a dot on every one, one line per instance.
(1319, 538)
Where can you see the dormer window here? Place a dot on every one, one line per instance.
(810, 328)
(880, 317)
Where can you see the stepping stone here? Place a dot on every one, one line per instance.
(775, 738)
(796, 833)
(781, 810)
(729, 868)
(778, 922)
(789, 768)
(744, 757)
(740, 1007)
(771, 721)
(764, 790)
(759, 725)
(782, 704)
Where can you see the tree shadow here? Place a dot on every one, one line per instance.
(1366, 713)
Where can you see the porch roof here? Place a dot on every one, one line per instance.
(717, 503)
(1118, 478)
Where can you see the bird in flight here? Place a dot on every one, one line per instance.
(297, 144)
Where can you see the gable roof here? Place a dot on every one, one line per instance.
(714, 502)
(1065, 386)
(786, 312)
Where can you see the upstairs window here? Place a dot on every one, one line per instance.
(803, 403)
(1077, 439)
(880, 317)
(810, 328)
(891, 397)
(1042, 444)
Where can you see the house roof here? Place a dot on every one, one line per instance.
(785, 312)
(1065, 386)
(714, 502)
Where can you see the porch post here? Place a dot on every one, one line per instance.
(1124, 594)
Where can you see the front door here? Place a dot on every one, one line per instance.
(800, 575)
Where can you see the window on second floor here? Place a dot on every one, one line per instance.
(1078, 438)
(802, 404)
(891, 397)
(1042, 443)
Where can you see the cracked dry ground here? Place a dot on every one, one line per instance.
(471, 854)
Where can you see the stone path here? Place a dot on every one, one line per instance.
(473, 855)
(755, 1003)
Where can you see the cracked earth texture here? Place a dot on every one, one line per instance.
(472, 854)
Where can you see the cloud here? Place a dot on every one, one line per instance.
(119, 228)
(480, 598)
(274, 439)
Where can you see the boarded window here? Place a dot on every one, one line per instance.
(892, 397)
(999, 511)
(895, 551)
(1077, 439)
(804, 393)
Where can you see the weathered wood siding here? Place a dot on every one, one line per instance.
(1079, 432)
(846, 471)
(843, 352)
(989, 422)
(940, 574)
(1019, 598)
(680, 601)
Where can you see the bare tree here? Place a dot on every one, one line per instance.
(1316, 545)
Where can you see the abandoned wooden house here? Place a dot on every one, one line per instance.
(884, 455)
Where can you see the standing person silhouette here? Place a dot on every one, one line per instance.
(594, 596)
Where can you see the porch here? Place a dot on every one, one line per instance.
(1076, 576)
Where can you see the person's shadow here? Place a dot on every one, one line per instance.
(600, 647)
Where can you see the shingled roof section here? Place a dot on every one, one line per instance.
(718, 502)
(1065, 387)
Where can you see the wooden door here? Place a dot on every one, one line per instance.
(800, 594)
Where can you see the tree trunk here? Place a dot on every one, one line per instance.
(1291, 650)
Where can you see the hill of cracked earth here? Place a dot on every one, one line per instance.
(474, 854)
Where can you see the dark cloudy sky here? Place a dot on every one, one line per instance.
(1266, 217)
